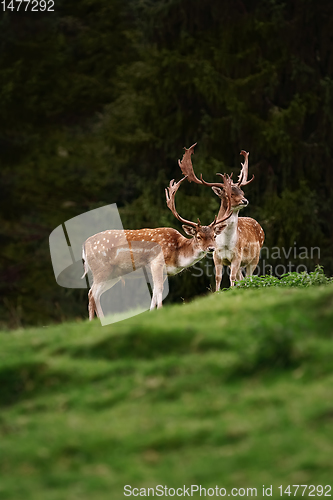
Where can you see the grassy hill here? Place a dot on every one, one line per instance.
(234, 389)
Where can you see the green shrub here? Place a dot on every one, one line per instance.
(292, 279)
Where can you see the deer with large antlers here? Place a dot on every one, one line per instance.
(111, 254)
(240, 243)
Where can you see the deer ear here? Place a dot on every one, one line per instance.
(217, 191)
(218, 229)
(189, 230)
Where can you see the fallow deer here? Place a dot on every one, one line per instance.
(240, 243)
(111, 254)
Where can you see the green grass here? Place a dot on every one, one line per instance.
(234, 389)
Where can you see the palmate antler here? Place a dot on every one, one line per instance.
(170, 193)
(227, 186)
(242, 178)
(186, 165)
(187, 169)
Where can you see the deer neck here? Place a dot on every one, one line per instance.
(188, 253)
(233, 220)
(228, 238)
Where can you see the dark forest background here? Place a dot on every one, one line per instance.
(98, 98)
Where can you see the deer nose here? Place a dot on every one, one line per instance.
(211, 249)
(245, 202)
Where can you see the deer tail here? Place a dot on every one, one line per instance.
(85, 265)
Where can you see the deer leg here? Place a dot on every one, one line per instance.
(95, 295)
(163, 277)
(151, 277)
(239, 275)
(250, 269)
(154, 297)
(157, 271)
(218, 270)
(234, 270)
(157, 295)
(91, 306)
(153, 303)
(160, 292)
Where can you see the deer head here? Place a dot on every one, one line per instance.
(237, 198)
(203, 236)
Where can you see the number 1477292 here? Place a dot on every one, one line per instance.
(28, 5)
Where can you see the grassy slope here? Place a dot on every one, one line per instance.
(232, 389)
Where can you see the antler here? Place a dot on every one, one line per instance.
(227, 186)
(215, 184)
(187, 169)
(242, 179)
(186, 165)
(170, 193)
